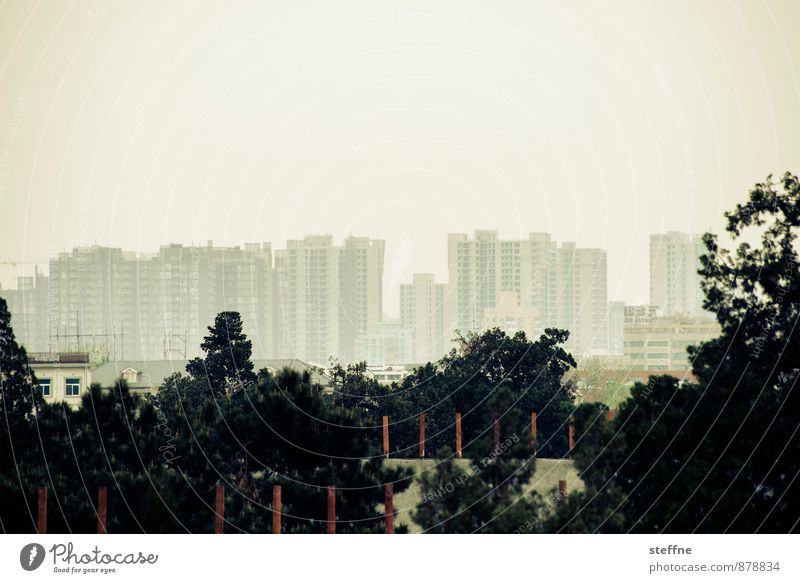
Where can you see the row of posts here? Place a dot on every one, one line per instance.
(496, 432)
(102, 510)
(219, 507)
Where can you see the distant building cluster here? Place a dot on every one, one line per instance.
(315, 299)
(528, 284)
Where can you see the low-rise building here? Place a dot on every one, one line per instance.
(146, 376)
(388, 374)
(660, 343)
(61, 376)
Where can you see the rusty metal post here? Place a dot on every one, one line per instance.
(422, 435)
(571, 433)
(610, 415)
(388, 491)
(102, 499)
(276, 509)
(41, 524)
(219, 509)
(533, 431)
(386, 436)
(458, 435)
(331, 510)
(562, 492)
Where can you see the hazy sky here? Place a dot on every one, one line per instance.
(141, 123)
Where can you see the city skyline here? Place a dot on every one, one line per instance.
(398, 123)
(16, 268)
(316, 298)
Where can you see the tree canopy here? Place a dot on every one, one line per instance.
(721, 455)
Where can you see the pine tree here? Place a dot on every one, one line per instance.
(722, 455)
(226, 367)
(19, 402)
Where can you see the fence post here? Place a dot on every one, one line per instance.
(422, 435)
(102, 499)
(386, 436)
(276, 509)
(219, 510)
(533, 431)
(331, 510)
(458, 435)
(571, 433)
(388, 491)
(562, 492)
(41, 524)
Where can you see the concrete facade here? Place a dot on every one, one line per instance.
(564, 284)
(422, 316)
(61, 377)
(674, 281)
(660, 343)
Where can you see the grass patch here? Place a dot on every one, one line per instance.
(544, 481)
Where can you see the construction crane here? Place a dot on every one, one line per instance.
(15, 263)
(29, 262)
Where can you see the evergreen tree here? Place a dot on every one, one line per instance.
(466, 379)
(722, 455)
(226, 367)
(350, 387)
(19, 396)
(19, 401)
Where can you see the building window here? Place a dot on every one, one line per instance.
(44, 387)
(73, 387)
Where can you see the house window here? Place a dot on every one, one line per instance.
(44, 386)
(129, 375)
(73, 387)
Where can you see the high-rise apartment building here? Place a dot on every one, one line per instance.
(28, 307)
(581, 304)
(327, 296)
(512, 317)
(474, 277)
(307, 310)
(422, 315)
(674, 281)
(167, 296)
(360, 293)
(537, 276)
(564, 284)
(177, 292)
(389, 343)
(91, 302)
(113, 304)
(241, 280)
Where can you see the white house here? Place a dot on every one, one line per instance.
(61, 376)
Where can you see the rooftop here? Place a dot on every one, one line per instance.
(58, 358)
